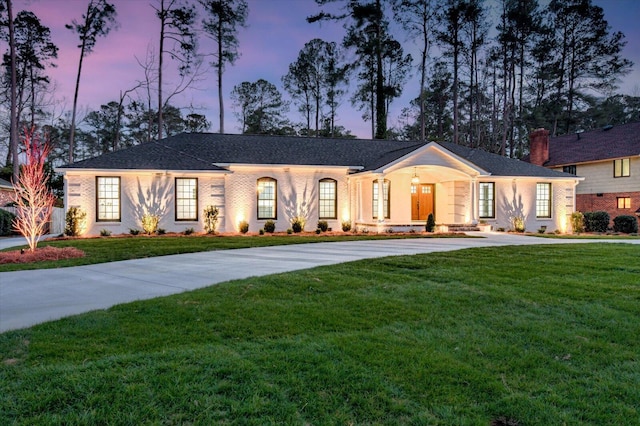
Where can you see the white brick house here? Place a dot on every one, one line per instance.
(371, 184)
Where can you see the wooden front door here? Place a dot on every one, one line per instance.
(421, 201)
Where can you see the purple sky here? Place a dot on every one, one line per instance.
(276, 32)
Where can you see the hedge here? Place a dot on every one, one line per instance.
(596, 221)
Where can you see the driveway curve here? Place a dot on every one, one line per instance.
(31, 297)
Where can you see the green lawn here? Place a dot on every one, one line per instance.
(100, 250)
(533, 335)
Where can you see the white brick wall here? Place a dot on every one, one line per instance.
(141, 194)
(519, 198)
(297, 194)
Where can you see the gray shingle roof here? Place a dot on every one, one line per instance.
(498, 165)
(5, 184)
(602, 144)
(205, 151)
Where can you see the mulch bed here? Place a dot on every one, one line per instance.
(40, 255)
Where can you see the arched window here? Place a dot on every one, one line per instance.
(267, 198)
(328, 199)
(386, 207)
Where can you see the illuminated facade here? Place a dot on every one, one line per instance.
(372, 184)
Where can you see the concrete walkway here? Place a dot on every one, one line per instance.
(31, 297)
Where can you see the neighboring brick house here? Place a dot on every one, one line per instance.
(6, 192)
(372, 184)
(607, 158)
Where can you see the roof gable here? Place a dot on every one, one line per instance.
(433, 154)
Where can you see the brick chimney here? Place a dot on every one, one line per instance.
(539, 147)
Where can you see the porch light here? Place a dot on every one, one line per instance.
(415, 178)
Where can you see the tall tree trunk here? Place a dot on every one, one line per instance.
(72, 130)
(32, 101)
(381, 115)
(423, 76)
(471, 91)
(161, 53)
(519, 121)
(13, 138)
(220, 98)
(455, 90)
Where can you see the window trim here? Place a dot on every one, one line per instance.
(335, 198)
(621, 172)
(493, 200)
(275, 198)
(374, 201)
(196, 199)
(98, 219)
(548, 200)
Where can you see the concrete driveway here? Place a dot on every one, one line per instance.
(31, 297)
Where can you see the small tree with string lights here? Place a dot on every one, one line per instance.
(33, 198)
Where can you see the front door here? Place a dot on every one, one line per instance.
(421, 201)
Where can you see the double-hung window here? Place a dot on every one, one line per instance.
(108, 199)
(486, 200)
(328, 201)
(386, 206)
(267, 198)
(543, 200)
(187, 199)
(621, 167)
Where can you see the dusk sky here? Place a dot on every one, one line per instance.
(276, 32)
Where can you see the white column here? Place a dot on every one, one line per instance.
(381, 199)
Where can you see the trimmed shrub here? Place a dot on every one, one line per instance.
(6, 222)
(346, 226)
(626, 224)
(270, 226)
(596, 221)
(105, 233)
(161, 231)
(134, 231)
(323, 225)
(577, 222)
(431, 223)
(261, 232)
(189, 231)
(75, 221)
(297, 224)
(244, 226)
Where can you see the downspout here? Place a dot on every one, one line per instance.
(359, 200)
(575, 185)
(474, 201)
